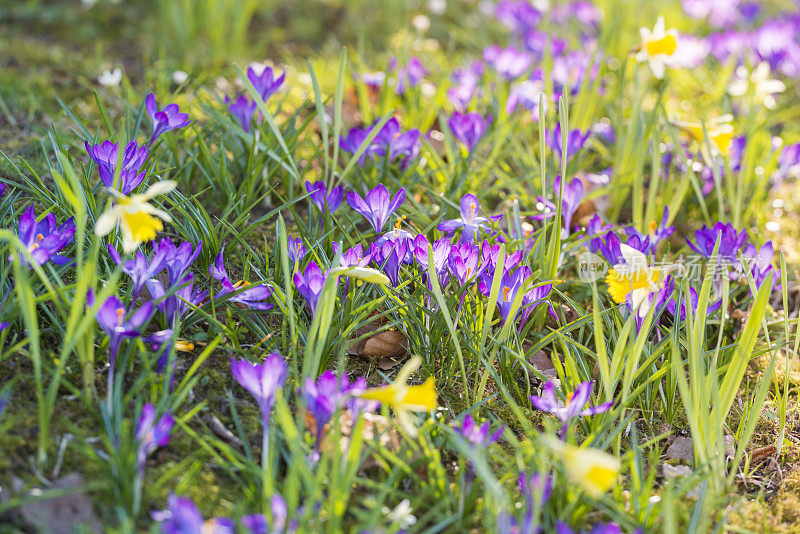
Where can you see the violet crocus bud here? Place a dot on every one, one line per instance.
(309, 284)
(151, 433)
(262, 380)
(468, 127)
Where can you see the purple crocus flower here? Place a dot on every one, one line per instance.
(44, 239)
(262, 380)
(441, 253)
(373, 80)
(182, 294)
(605, 132)
(584, 12)
(519, 16)
(532, 299)
(759, 263)
(265, 83)
(5, 396)
(510, 285)
(469, 222)
(131, 173)
(395, 234)
(750, 11)
(600, 528)
(2, 188)
(409, 75)
(183, 517)
(353, 141)
(328, 393)
(571, 199)
(295, 249)
(392, 142)
(119, 323)
(573, 69)
(309, 284)
(465, 85)
(575, 141)
(639, 243)
(656, 234)
(319, 195)
(538, 42)
(527, 95)
(720, 13)
(788, 163)
(490, 254)
(391, 255)
(178, 259)
(478, 436)
(378, 206)
(692, 300)
(509, 62)
(157, 339)
(610, 247)
(729, 43)
(536, 490)
(731, 241)
(258, 523)
(139, 269)
(576, 402)
(464, 262)
(243, 110)
(165, 120)
(151, 434)
(468, 127)
(596, 226)
(775, 43)
(354, 257)
(253, 297)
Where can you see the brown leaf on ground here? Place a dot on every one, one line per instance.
(389, 347)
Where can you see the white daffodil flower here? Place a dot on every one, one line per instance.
(658, 48)
(764, 87)
(635, 278)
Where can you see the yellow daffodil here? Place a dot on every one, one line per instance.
(404, 398)
(138, 221)
(719, 132)
(658, 48)
(593, 470)
(635, 278)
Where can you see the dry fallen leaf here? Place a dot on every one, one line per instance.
(389, 347)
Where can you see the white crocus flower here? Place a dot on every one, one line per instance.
(401, 516)
(764, 87)
(138, 221)
(110, 78)
(658, 48)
